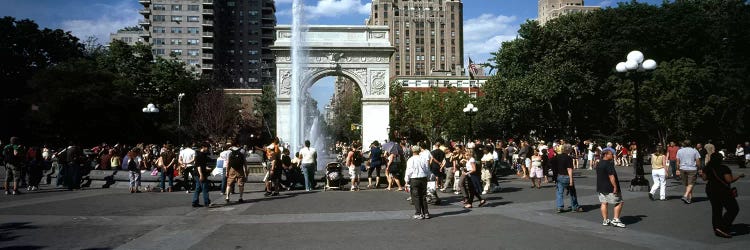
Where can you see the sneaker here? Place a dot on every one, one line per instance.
(28, 188)
(15, 192)
(651, 196)
(187, 191)
(560, 210)
(196, 205)
(7, 192)
(426, 216)
(456, 192)
(606, 222)
(226, 200)
(240, 200)
(484, 192)
(417, 217)
(685, 199)
(617, 223)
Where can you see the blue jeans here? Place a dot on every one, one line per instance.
(308, 169)
(60, 174)
(201, 187)
(166, 175)
(673, 167)
(563, 182)
(224, 184)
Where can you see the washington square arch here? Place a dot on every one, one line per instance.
(361, 53)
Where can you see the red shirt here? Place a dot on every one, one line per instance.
(672, 150)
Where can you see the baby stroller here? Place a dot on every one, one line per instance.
(334, 177)
(432, 195)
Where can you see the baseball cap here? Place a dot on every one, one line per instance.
(608, 149)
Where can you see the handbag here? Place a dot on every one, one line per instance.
(732, 190)
(155, 172)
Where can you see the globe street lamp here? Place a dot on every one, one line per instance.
(636, 63)
(150, 108)
(179, 117)
(470, 111)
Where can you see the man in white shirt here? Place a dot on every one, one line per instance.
(688, 160)
(307, 157)
(187, 165)
(223, 158)
(417, 172)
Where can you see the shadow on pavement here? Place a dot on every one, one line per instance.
(462, 211)
(497, 204)
(741, 229)
(22, 247)
(632, 219)
(7, 229)
(510, 189)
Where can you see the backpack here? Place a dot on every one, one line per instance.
(358, 159)
(132, 165)
(236, 160)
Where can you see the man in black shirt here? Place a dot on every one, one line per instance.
(201, 183)
(562, 165)
(436, 164)
(608, 187)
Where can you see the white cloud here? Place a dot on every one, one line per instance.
(333, 8)
(485, 33)
(606, 3)
(111, 18)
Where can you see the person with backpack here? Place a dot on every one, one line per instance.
(307, 157)
(166, 164)
(13, 156)
(354, 160)
(35, 164)
(202, 182)
(235, 167)
(187, 166)
(134, 162)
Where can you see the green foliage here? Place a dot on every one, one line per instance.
(559, 80)
(428, 115)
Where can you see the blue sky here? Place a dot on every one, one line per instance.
(486, 22)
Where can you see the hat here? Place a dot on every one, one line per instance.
(608, 149)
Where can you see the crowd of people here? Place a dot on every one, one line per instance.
(470, 169)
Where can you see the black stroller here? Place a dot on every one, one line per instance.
(334, 177)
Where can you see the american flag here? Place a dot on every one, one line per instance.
(473, 69)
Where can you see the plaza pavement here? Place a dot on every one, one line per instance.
(516, 218)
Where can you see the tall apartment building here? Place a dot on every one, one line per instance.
(427, 34)
(130, 37)
(551, 9)
(226, 37)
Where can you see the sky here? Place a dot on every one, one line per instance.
(487, 23)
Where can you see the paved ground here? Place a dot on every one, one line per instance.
(517, 218)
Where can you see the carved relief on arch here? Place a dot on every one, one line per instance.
(285, 83)
(378, 83)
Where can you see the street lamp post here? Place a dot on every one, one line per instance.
(470, 110)
(179, 117)
(636, 63)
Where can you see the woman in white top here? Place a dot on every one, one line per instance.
(474, 182)
(740, 153)
(536, 172)
(416, 175)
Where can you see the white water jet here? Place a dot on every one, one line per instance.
(298, 60)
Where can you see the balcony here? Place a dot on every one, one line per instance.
(208, 34)
(144, 22)
(267, 57)
(146, 34)
(208, 22)
(208, 2)
(208, 11)
(145, 2)
(207, 46)
(268, 26)
(208, 56)
(207, 66)
(145, 11)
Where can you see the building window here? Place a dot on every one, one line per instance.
(158, 41)
(193, 52)
(176, 7)
(193, 7)
(453, 34)
(160, 7)
(176, 19)
(193, 62)
(193, 30)
(252, 52)
(193, 18)
(158, 52)
(160, 29)
(253, 12)
(176, 30)
(432, 58)
(159, 18)
(192, 42)
(176, 52)
(175, 41)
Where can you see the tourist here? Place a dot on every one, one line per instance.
(166, 163)
(523, 154)
(672, 157)
(688, 159)
(134, 163)
(34, 165)
(546, 169)
(721, 195)
(74, 158)
(608, 187)
(659, 174)
(392, 169)
(536, 172)
(451, 167)
(703, 152)
(353, 162)
(221, 163)
(115, 160)
(416, 175)
(740, 153)
(375, 164)
(562, 164)
(487, 168)
(307, 156)
(13, 155)
(710, 149)
(202, 182)
(473, 183)
(591, 151)
(747, 154)
(287, 168)
(437, 164)
(235, 169)
(187, 166)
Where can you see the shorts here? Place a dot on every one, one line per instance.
(688, 177)
(610, 198)
(354, 172)
(235, 176)
(12, 173)
(375, 168)
(536, 172)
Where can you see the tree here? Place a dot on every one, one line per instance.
(215, 115)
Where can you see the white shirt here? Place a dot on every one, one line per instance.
(425, 156)
(740, 151)
(308, 155)
(188, 156)
(416, 168)
(224, 157)
(469, 165)
(688, 157)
